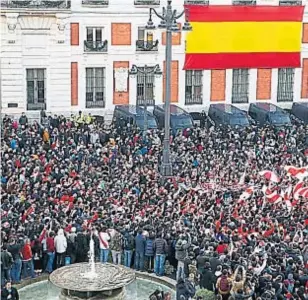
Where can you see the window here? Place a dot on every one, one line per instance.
(193, 87)
(145, 88)
(94, 40)
(145, 40)
(95, 87)
(285, 84)
(198, 2)
(244, 2)
(36, 89)
(94, 34)
(145, 36)
(146, 2)
(141, 33)
(240, 86)
(290, 2)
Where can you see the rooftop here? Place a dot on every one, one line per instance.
(228, 108)
(174, 110)
(269, 107)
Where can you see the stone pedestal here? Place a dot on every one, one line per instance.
(118, 294)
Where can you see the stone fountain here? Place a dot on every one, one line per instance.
(92, 280)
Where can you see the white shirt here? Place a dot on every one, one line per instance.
(60, 243)
(105, 237)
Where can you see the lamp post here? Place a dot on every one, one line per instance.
(146, 71)
(169, 23)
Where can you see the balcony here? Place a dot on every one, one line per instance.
(290, 2)
(36, 106)
(95, 2)
(140, 101)
(96, 46)
(146, 46)
(196, 2)
(95, 104)
(143, 3)
(36, 4)
(244, 2)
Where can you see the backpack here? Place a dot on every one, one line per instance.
(129, 243)
(190, 288)
(224, 285)
(71, 247)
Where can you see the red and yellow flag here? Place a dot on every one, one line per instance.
(228, 37)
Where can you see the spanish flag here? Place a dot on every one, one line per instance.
(230, 37)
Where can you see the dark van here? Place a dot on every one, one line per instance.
(134, 115)
(268, 113)
(300, 111)
(179, 118)
(228, 115)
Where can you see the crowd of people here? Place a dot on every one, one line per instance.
(71, 180)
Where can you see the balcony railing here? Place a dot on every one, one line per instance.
(196, 2)
(193, 99)
(146, 2)
(96, 46)
(140, 101)
(95, 2)
(95, 104)
(290, 2)
(146, 45)
(244, 2)
(36, 4)
(36, 106)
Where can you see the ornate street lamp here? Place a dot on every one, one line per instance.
(146, 71)
(169, 23)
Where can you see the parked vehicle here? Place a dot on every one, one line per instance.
(199, 118)
(134, 115)
(268, 113)
(228, 115)
(179, 118)
(300, 111)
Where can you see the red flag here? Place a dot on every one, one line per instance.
(27, 213)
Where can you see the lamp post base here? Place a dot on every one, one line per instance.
(166, 169)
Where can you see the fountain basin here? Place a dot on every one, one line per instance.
(80, 281)
(140, 289)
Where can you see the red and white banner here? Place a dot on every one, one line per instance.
(299, 173)
(270, 176)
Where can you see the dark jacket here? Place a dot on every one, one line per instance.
(181, 249)
(129, 241)
(6, 260)
(14, 294)
(185, 290)
(82, 246)
(23, 120)
(201, 259)
(160, 246)
(208, 279)
(215, 262)
(140, 243)
(15, 250)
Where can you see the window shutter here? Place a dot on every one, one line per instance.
(264, 84)
(304, 92)
(305, 33)
(75, 34)
(74, 83)
(218, 85)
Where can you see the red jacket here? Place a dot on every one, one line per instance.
(26, 252)
(221, 248)
(50, 244)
